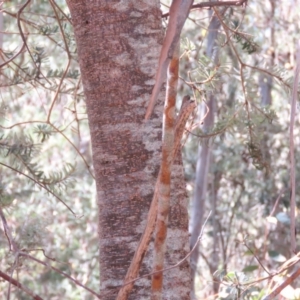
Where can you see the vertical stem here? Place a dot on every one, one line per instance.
(165, 177)
(292, 154)
(186, 110)
(204, 156)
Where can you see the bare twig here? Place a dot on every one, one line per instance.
(20, 286)
(256, 257)
(287, 282)
(180, 262)
(277, 201)
(267, 229)
(24, 38)
(213, 4)
(7, 231)
(41, 185)
(13, 57)
(61, 131)
(67, 66)
(60, 272)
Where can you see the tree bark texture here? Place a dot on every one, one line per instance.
(118, 49)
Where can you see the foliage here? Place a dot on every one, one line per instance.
(47, 195)
(249, 176)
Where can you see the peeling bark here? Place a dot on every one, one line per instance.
(164, 189)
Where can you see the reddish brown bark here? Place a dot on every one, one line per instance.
(117, 68)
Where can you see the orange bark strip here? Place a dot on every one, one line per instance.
(179, 11)
(185, 111)
(165, 176)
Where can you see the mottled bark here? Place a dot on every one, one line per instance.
(118, 48)
(265, 88)
(179, 11)
(164, 189)
(1, 33)
(200, 189)
(266, 81)
(1, 28)
(186, 110)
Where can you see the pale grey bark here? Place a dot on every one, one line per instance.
(265, 85)
(118, 49)
(1, 31)
(204, 156)
(266, 81)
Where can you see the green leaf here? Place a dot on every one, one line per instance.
(276, 256)
(250, 268)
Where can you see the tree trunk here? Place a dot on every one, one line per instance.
(203, 162)
(118, 48)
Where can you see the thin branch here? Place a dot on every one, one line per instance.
(68, 63)
(13, 57)
(12, 245)
(277, 201)
(287, 282)
(75, 148)
(256, 257)
(41, 185)
(59, 131)
(60, 272)
(180, 262)
(288, 264)
(20, 286)
(62, 12)
(267, 229)
(213, 134)
(32, 24)
(178, 13)
(24, 39)
(213, 4)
